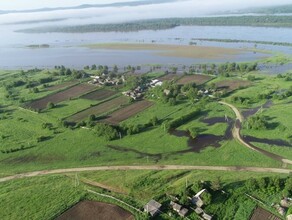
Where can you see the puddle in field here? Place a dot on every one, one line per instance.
(277, 142)
(205, 140)
(155, 157)
(249, 112)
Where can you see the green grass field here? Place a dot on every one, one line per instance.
(48, 196)
(21, 149)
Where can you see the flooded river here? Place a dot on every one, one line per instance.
(65, 48)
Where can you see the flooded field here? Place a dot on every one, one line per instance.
(249, 112)
(68, 49)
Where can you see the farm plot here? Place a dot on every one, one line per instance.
(74, 91)
(62, 85)
(127, 112)
(99, 95)
(231, 85)
(260, 214)
(95, 210)
(196, 78)
(168, 77)
(99, 109)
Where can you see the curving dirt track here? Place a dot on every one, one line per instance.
(237, 136)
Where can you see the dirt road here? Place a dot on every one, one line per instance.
(154, 167)
(237, 136)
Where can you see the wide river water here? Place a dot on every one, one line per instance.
(65, 48)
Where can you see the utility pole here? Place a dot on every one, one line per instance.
(226, 118)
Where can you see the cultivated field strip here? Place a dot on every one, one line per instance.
(99, 95)
(196, 78)
(168, 77)
(127, 112)
(72, 92)
(62, 85)
(231, 85)
(99, 109)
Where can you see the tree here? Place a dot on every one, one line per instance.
(251, 184)
(93, 67)
(115, 69)
(174, 70)
(197, 186)
(172, 101)
(261, 183)
(106, 131)
(206, 197)
(288, 186)
(154, 121)
(68, 72)
(50, 105)
(216, 184)
(192, 94)
(35, 90)
(194, 132)
(91, 118)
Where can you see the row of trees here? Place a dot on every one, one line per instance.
(168, 125)
(168, 23)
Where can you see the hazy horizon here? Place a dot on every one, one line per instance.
(107, 11)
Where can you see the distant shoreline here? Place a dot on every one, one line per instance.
(168, 23)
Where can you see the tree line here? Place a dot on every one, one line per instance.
(169, 23)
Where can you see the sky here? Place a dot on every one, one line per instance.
(179, 8)
(33, 4)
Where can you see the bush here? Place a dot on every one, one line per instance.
(50, 105)
(106, 131)
(194, 132)
(154, 121)
(257, 122)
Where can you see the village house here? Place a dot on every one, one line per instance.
(155, 82)
(197, 201)
(206, 216)
(105, 80)
(199, 210)
(179, 209)
(152, 207)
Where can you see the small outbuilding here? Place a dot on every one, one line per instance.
(206, 216)
(183, 212)
(197, 201)
(199, 210)
(152, 207)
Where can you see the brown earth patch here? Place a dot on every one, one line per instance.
(196, 78)
(99, 95)
(168, 77)
(260, 214)
(62, 85)
(99, 109)
(233, 84)
(91, 210)
(72, 92)
(127, 112)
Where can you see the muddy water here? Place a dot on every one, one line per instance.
(205, 140)
(249, 112)
(277, 142)
(155, 157)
